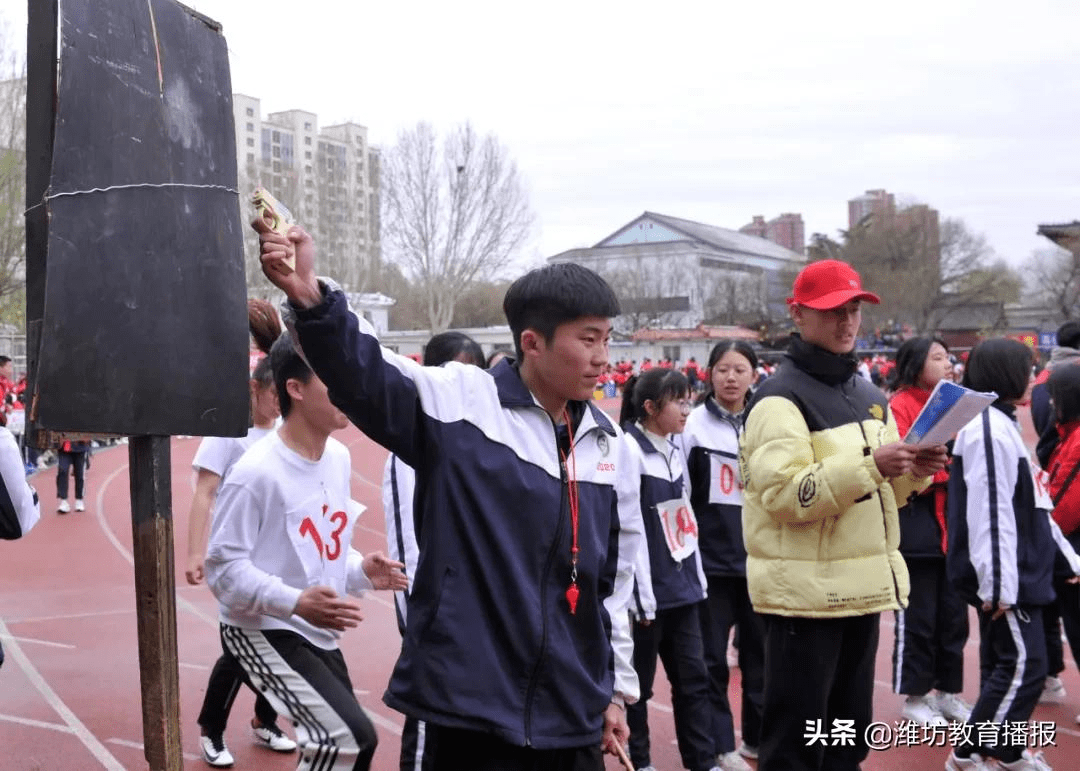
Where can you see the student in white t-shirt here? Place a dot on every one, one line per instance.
(213, 460)
(280, 561)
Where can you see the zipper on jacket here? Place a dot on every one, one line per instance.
(530, 693)
(881, 501)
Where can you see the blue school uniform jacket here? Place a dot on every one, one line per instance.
(710, 445)
(490, 643)
(668, 582)
(1002, 541)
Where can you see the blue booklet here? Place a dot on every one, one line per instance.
(949, 408)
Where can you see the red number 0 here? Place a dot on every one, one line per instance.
(727, 479)
(331, 551)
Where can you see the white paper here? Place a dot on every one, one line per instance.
(949, 408)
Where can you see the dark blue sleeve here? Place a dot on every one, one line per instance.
(370, 386)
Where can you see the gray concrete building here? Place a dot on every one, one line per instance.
(670, 272)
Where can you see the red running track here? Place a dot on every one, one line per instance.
(69, 690)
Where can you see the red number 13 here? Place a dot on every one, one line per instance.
(331, 550)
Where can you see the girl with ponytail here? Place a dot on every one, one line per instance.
(669, 583)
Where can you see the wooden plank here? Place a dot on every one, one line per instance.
(155, 592)
(41, 55)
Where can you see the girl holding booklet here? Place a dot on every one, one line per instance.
(928, 648)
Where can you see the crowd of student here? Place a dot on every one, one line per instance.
(547, 557)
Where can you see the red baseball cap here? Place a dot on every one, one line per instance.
(828, 284)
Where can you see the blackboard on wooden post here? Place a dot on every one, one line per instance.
(136, 302)
(139, 325)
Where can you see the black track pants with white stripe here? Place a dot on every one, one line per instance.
(930, 634)
(1012, 659)
(312, 687)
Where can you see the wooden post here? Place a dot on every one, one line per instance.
(155, 598)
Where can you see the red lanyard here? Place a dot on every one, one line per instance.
(572, 496)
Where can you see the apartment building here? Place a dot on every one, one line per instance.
(327, 175)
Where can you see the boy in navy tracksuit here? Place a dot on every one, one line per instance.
(1001, 554)
(517, 651)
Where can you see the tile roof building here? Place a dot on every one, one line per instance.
(677, 273)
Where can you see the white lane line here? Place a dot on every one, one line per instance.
(69, 616)
(99, 513)
(378, 719)
(97, 749)
(142, 748)
(201, 667)
(48, 643)
(36, 723)
(366, 481)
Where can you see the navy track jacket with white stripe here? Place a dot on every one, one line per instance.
(490, 643)
(710, 445)
(1002, 541)
(667, 582)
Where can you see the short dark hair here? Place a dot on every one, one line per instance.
(1000, 365)
(447, 346)
(1068, 334)
(658, 384)
(263, 375)
(544, 298)
(1064, 387)
(287, 364)
(4, 360)
(910, 360)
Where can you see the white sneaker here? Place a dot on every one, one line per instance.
(271, 736)
(214, 751)
(950, 706)
(974, 763)
(751, 752)
(918, 709)
(731, 761)
(647, 768)
(79, 505)
(64, 507)
(1029, 761)
(1053, 691)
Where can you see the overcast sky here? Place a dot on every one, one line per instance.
(712, 111)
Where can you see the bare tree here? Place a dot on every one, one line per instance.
(12, 185)
(650, 295)
(453, 212)
(923, 271)
(1054, 280)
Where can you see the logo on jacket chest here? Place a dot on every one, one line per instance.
(807, 490)
(877, 412)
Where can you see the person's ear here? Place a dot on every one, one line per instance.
(531, 342)
(650, 407)
(295, 389)
(795, 311)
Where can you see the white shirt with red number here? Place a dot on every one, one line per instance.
(282, 524)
